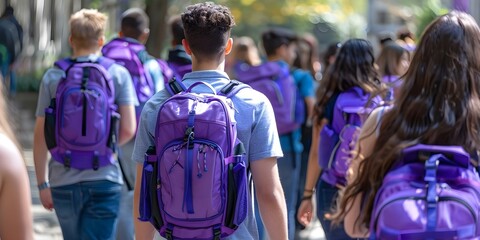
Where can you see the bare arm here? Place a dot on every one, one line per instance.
(365, 145)
(309, 103)
(40, 157)
(143, 230)
(128, 123)
(305, 210)
(15, 201)
(270, 197)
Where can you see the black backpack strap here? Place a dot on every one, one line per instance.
(232, 88)
(175, 86)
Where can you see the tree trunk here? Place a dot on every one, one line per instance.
(157, 11)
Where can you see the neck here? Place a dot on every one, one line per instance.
(84, 52)
(208, 65)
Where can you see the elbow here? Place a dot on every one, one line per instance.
(126, 134)
(353, 230)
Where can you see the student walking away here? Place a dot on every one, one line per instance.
(15, 200)
(288, 105)
(244, 55)
(85, 110)
(300, 69)
(344, 100)
(178, 60)
(11, 45)
(129, 50)
(392, 63)
(194, 178)
(414, 175)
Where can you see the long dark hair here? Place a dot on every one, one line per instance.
(353, 66)
(439, 103)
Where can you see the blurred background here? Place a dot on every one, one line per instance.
(45, 22)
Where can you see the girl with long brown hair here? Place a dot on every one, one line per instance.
(439, 104)
(354, 67)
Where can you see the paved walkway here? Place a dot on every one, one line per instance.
(45, 222)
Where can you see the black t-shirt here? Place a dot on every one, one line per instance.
(329, 107)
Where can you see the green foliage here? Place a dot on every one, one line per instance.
(425, 15)
(254, 16)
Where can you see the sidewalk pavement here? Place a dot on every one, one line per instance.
(45, 224)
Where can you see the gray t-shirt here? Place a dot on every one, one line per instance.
(256, 128)
(124, 95)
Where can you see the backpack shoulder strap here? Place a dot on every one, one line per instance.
(64, 64)
(105, 62)
(175, 86)
(232, 88)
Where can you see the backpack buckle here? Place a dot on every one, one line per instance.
(189, 136)
(217, 233)
(168, 234)
(67, 161)
(96, 163)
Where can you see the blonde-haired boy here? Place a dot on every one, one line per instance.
(86, 201)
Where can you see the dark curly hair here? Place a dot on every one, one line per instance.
(207, 28)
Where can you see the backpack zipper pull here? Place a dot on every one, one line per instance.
(200, 150)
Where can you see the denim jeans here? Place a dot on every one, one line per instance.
(289, 178)
(326, 196)
(87, 210)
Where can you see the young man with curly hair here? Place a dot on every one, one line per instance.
(207, 40)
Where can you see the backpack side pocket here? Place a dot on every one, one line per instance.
(49, 127)
(237, 196)
(114, 128)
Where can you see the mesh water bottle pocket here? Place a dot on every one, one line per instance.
(145, 203)
(49, 128)
(237, 193)
(240, 175)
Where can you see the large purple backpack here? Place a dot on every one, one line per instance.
(277, 84)
(194, 182)
(132, 55)
(433, 192)
(179, 70)
(167, 72)
(338, 137)
(81, 123)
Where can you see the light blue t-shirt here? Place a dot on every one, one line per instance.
(124, 95)
(256, 128)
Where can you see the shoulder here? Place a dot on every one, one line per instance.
(52, 76)
(118, 72)
(11, 160)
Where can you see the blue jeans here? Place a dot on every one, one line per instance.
(87, 210)
(326, 196)
(289, 178)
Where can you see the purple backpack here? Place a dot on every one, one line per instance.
(81, 123)
(132, 56)
(431, 193)
(338, 138)
(277, 84)
(194, 181)
(167, 72)
(180, 70)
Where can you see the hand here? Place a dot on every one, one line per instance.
(305, 212)
(46, 199)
